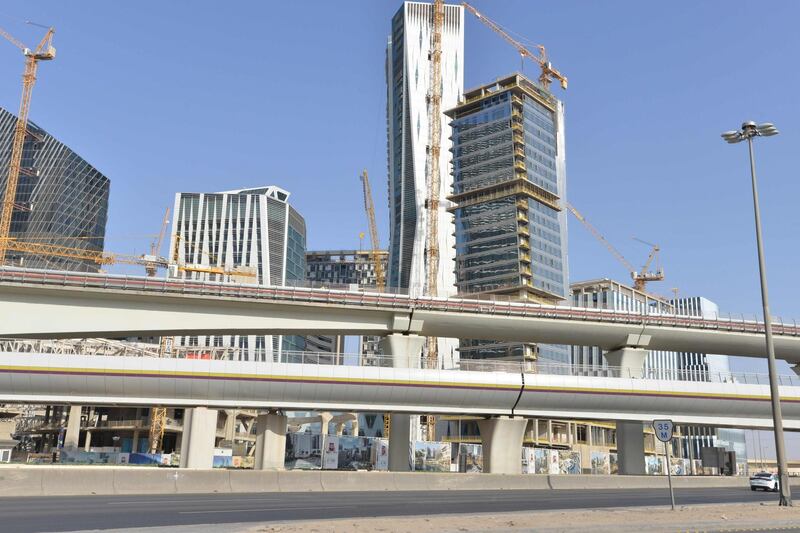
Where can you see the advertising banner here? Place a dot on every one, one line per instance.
(528, 460)
(355, 453)
(541, 457)
(303, 451)
(330, 453)
(612, 463)
(601, 463)
(381, 449)
(431, 456)
(569, 462)
(553, 463)
(655, 465)
(470, 458)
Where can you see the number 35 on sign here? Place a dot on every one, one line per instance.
(663, 430)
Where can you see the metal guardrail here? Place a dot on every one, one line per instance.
(385, 300)
(471, 365)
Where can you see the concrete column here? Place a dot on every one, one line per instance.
(399, 443)
(230, 425)
(73, 427)
(629, 360)
(630, 447)
(135, 443)
(199, 433)
(404, 349)
(501, 438)
(324, 423)
(549, 432)
(354, 426)
(270, 441)
(88, 444)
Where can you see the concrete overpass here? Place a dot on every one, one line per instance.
(504, 398)
(52, 304)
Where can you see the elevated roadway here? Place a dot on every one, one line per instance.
(103, 380)
(53, 304)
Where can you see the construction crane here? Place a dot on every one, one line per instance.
(155, 246)
(640, 277)
(548, 72)
(434, 181)
(44, 51)
(369, 207)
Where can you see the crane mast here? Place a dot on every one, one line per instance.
(434, 185)
(44, 51)
(369, 207)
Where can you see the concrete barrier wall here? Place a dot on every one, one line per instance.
(64, 481)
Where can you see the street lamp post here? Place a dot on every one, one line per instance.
(748, 132)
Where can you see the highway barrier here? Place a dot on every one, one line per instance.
(102, 480)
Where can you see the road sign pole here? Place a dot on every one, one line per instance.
(669, 475)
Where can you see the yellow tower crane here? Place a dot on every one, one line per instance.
(369, 207)
(44, 51)
(640, 277)
(548, 72)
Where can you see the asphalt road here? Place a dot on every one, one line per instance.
(44, 514)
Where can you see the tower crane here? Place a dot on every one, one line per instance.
(548, 71)
(44, 51)
(434, 182)
(640, 277)
(369, 207)
(155, 246)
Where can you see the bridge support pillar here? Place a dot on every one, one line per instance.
(630, 447)
(199, 433)
(501, 438)
(629, 360)
(73, 427)
(270, 441)
(400, 442)
(404, 349)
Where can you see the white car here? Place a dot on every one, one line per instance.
(764, 481)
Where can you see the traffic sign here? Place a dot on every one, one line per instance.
(663, 430)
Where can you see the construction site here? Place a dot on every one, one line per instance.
(477, 209)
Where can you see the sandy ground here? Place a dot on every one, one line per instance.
(724, 517)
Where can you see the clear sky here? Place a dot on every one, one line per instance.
(207, 96)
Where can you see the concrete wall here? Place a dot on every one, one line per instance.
(64, 481)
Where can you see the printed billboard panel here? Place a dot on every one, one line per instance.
(355, 453)
(303, 451)
(380, 450)
(553, 463)
(569, 462)
(655, 465)
(541, 458)
(528, 460)
(470, 458)
(431, 456)
(612, 462)
(601, 463)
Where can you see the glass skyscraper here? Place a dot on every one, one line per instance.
(248, 230)
(509, 189)
(61, 199)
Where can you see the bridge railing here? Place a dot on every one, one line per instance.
(392, 300)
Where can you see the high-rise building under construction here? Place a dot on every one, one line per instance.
(61, 199)
(408, 70)
(509, 190)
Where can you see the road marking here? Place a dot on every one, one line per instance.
(267, 510)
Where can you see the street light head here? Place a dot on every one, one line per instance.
(749, 124)
(767, 129)
(731, 136)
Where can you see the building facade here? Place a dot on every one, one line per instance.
(682, 366)
(408, 70)
(251, 235)
(509, 190)
(61, 199)
(353, 268)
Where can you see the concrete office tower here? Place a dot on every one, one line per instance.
(509, 189)
(254, 231)
(681, 366)
(350, 268)
(61, 199)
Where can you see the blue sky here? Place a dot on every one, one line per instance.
(204, 96)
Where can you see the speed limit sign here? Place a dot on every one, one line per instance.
(663, 430)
